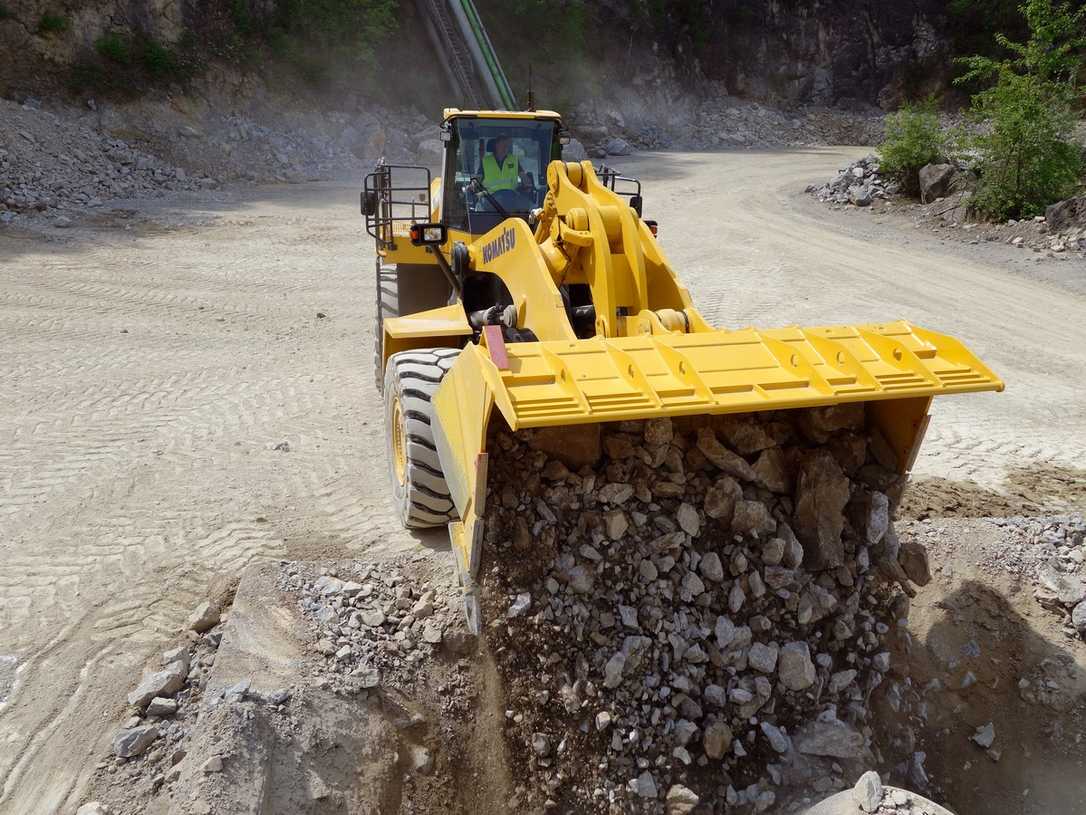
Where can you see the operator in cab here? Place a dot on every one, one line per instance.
(501, 169)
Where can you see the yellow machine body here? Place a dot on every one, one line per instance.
(653, 354)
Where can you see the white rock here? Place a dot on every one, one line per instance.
(763, 657)
(520, 605)
(725, 632)
(645, 785)
(612, 671)
(794, 666)
(688, 520)
(985, 735)
(166, 682)
(681, 800)
(134, 740)
(692, 584)
(776, 737)
(868, 791)
(162, 707)
(736, 598)
(711, 568)
(205, 617)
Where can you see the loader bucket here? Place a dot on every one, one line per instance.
(897, 367)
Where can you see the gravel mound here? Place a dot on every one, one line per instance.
(378, 624)
(55, 161)
(701, 614)
(859, 184)
(674, 120)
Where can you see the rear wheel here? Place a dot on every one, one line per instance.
(418, 485)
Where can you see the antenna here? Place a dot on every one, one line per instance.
(531, 95)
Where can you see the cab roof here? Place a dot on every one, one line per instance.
(456, 113)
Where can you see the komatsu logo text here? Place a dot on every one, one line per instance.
(500, 245)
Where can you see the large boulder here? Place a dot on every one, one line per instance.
(935, 181)
(1069, 214)
(618, 147)
(574, 151)
(860, 195)
(822, 491)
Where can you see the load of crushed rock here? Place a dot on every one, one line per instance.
(859, 183)
(694, 611)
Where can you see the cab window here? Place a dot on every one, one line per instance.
(510, 155)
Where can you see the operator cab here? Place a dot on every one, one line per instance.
(507, 152)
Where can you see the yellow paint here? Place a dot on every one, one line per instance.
(437, 328)
(456, 113)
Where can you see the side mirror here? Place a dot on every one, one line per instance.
(429, 234)
(369, 203)
(637, 204)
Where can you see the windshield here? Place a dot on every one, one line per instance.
(507, 160)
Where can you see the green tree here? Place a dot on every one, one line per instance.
(1027, 158)
(327, 37)
(914, 137)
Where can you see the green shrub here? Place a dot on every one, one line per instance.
(1027, 156)
(52, 24)
(241, 17)
(115, 48)
(126, 64)
(158, 60)
(914, 137)
(1027, 159)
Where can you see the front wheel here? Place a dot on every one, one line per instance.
(419, 490)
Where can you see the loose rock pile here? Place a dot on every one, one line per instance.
(1049, 551)
(946, 192)
(859, 184)
(51, 161)
(66, 159)
(700, 614)
(159, 703)
(730, 122)
(377, 624)
(1061, 580)
(165, 709)
(673, 120)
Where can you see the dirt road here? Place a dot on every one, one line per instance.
(186, 387)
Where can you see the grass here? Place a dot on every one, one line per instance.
(52, 24)
(114, 48)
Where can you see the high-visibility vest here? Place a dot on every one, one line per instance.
(506, 177)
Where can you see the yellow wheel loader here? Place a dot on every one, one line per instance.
(522, 282)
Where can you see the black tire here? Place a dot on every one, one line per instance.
(388, 305)
(419, 490)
